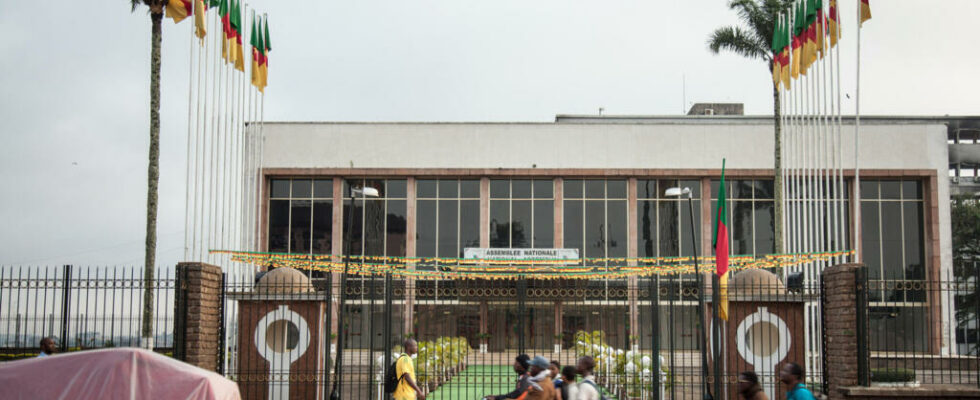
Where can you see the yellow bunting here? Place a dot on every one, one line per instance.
(461, 269)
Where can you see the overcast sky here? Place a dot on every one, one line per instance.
(75, 84)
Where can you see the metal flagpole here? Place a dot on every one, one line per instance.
(190, 130)
(857, 129)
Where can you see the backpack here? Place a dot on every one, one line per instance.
(391, 376)
(602, 395)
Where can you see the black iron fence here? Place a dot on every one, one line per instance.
(920, 332)
(80, 308)
(643, 333)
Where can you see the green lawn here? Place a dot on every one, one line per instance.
(475, 382)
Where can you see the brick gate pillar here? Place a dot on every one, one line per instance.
(197, 303)
(840, 323)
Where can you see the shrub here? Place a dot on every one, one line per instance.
(892, 375)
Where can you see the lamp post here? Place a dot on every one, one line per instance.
(678, 192)
(339, 362)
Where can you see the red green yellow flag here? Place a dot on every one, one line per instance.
(865, 11)
(267, 45)
(199, 22)
(179, 9)
(236, 25)
(720, 244)
(833, 27)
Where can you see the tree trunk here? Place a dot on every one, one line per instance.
(777, 169)
(153, 177)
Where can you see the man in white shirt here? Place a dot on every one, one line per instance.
(587, 388)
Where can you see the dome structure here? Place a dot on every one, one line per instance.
(753, 282)
(749, 283)
(282, 281)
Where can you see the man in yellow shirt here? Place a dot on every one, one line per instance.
(405, 370)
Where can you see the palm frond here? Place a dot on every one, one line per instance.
(135, 4)
(738, 41)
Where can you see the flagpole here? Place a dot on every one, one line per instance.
(857, 128)
(187, 172)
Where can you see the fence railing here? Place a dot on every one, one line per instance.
(644, 334)
(920, 332)
(80, 308)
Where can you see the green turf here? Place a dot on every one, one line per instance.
(476, 381)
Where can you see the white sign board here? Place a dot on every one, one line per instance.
(474, 253)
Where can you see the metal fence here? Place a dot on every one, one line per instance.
(644, 333)
(80, 308)
(920, 332)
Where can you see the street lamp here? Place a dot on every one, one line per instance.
(363, 192)
(686, 192)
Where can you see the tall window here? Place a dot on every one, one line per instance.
(447, 217)
(301, 216)
(751, 215)
(522, 213)
(892, 225)
(893, 250)
(379, 224)
(595, 217)
(664, 223)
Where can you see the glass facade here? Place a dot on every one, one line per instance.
(448, 217)
(522, 213)
(301, 216)
(664, 223)
(751, 215)
(595, 217)
(379, 224)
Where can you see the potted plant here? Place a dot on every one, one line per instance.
(484, 341)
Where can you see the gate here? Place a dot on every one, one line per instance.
(643, 332)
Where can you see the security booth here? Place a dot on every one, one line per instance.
(765, 328)
(280, 336)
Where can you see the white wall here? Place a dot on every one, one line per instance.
(521, 145)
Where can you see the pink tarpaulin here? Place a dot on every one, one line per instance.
(123, 373)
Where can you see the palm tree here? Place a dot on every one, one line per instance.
(153, 174)
(754, 42)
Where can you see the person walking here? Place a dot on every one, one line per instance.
(791, 374)
(569, 389)
(47, 347)
(587, 388)
(749, 387)
(540, 386)
(555, 369)
(405, 370)
(520, 368)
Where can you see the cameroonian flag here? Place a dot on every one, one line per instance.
(799, 37)
(267, 45)
(255, 41)
(179, 9)
(832, 25)
(199, 22)
(224, 10)
(720, 244)
(236, 24)
(865, 11)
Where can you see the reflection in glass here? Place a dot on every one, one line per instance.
(448, 223)
(322, 226)
(279, 226)
(573, 224)
(299, 231)
(425, 229)
(520, 223)
(544, 223)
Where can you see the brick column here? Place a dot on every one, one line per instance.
(198, 314)
(841, 328)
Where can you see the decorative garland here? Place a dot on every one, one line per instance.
(461, 269)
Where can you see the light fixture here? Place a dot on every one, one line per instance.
(678, 192)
